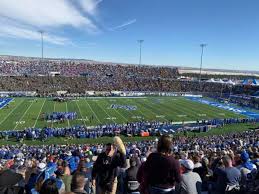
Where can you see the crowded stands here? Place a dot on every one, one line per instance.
(215, 164)
(173, 164)
(46, 85)
(73, 68)
(130, 129)
(79, 76)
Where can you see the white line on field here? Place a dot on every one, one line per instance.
(150, 107)
(109, 116)
(146, 105)
(39, 113)
(80, 113)
(11, 112)
(182, 115)
(92, 111)
(23, 115)
(139, 110)
(119, 113)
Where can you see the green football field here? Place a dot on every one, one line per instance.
(28, 112)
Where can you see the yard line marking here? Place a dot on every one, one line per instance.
(137, 117)
(12, 111)
(189, 112)
(160, 116)
(138, 109)
(119, 113)
(122, 115)
(151, 107)
(23, 115)
(39, 113)
(109, 116)
(80, 113)
(128, 112)
(182, 115)
(92, 110)
(197, 106)
(68, 123)
(168, 108)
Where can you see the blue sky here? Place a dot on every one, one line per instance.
(108, 30)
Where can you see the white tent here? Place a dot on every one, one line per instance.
(221, 81)
(231, 82)
(255, 82)
(212, 80)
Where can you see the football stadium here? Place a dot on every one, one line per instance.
(22, 113)
(106, 97)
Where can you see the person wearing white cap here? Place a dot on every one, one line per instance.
(41, 167)
(191, 181)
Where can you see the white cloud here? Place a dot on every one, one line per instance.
(127, 23)
(44, 13)
(89, 6)
(18, 31)
(22, 18)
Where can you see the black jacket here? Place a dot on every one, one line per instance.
(8, 179)
(105, 169)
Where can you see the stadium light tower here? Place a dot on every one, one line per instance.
(41, 33)
(140, 50)
(202, 47)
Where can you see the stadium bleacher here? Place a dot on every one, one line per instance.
(208, 158)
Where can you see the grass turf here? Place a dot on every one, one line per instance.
(27, 112)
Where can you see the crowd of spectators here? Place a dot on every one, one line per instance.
(130, 129)
(46, 85)
(73, 68)
(185, 165)
(215, 164)
(78, 76)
